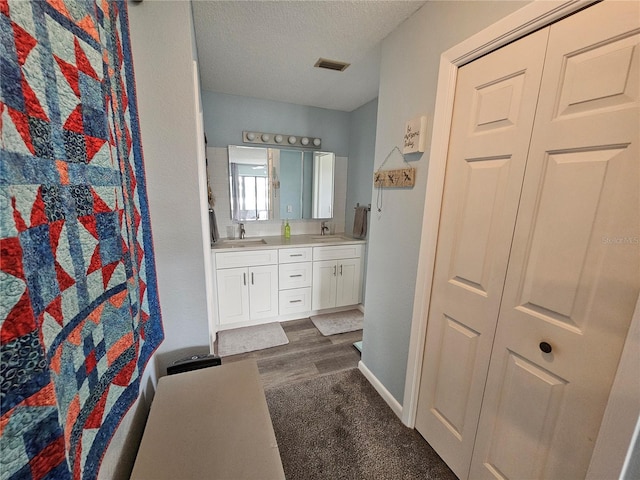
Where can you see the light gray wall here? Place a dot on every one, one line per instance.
(408, 81)
(163, 66)
(362, 142)
(227, 116)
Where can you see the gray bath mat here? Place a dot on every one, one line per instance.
(339, 322)
(248, 339)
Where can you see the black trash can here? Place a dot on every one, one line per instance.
(195, 362)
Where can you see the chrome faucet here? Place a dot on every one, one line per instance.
(242, 230)
(323, 228)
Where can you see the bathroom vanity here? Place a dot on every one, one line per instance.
(267, 279)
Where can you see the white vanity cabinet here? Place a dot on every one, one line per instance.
(337, 278)
(247, 286)
(285, 280)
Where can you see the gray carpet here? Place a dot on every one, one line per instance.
(249, 339)
(339, 322)
(338, 427)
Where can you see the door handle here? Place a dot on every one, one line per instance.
(294, 276)
(295, 301)
(545, 347)
(335, 268)
(341, 270)
(244, 278)
(252, 278)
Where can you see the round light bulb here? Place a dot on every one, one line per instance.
(251, 136)
(265, 137)
(316, 142)
(278, 138)
(304, 141)
(292, 139)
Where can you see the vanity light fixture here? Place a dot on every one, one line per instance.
(262, 138)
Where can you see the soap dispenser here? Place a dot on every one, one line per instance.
(287, 230)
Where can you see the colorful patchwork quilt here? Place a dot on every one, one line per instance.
(79, 312)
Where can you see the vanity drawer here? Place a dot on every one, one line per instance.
(291, 255)
(249, 258)
(295, 301)
(295, 275)
(337, 252)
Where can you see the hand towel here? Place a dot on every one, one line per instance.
(360, 222)
(213, 226)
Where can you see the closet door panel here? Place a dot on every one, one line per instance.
(574, 272)
(492, 120)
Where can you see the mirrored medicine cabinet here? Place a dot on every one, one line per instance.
(279, 184)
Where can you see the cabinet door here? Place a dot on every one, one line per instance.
(263, 291)
(348, 282)
(324, 284)
(233, 295)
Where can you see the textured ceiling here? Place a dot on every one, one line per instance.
(267, 49)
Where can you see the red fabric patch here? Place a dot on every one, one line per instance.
(107, 272)
(74, 121)
(47, 459)
(21, 122)
(96, 262)
(55, 310)
(94, 420)
(4, 7)
(38, 217)
(19, 321)
(90, 363)
(99, 206)
(82, 61)
(93, 145)
(32, 103)
(11, 257)
(124, 376)
(64, 279)
(70, 72)
(20, 224)
(24, 42)
(89, 222)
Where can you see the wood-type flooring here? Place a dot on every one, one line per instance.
(308, 354)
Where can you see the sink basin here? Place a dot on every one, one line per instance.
(245, 242)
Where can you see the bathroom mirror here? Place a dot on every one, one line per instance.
(278, 184)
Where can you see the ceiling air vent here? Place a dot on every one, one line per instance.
(331, 65)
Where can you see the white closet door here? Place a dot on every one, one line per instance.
(574, 272)
(492, 120)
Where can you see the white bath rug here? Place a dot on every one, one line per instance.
(339, 322)
(249, 339)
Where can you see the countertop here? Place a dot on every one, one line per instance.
(255, 243)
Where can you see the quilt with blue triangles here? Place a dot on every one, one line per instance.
(79, 311)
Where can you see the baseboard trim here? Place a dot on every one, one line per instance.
(384, 393)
